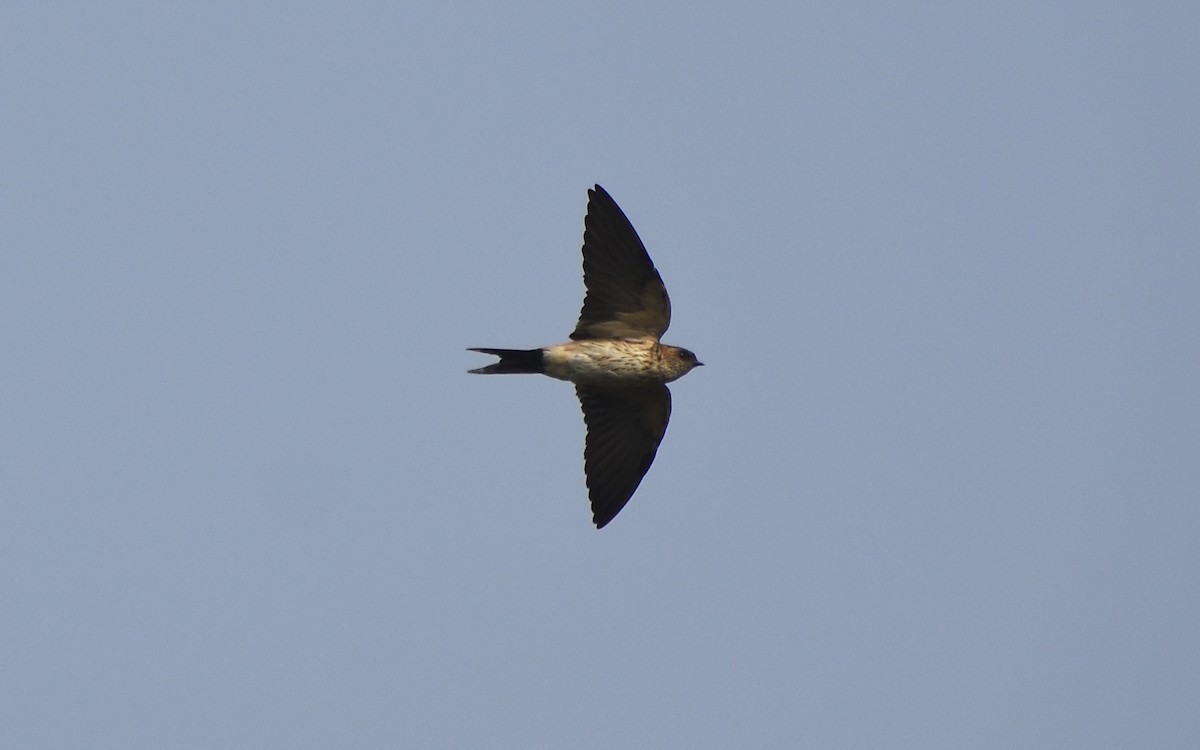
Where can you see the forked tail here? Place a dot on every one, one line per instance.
(512, 361)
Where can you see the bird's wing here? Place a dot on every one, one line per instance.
(625, 296)
(624, 428)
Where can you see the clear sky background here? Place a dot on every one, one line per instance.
(936, 488)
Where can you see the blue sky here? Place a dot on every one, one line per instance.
(936, 488)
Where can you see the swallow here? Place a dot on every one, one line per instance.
(615, 358)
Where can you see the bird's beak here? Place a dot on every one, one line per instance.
(699, 364)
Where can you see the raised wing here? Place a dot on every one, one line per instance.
(625, 295)
(624, 428)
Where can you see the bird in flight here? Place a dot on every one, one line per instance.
(615, 359)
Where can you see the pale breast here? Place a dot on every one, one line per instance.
(604, 361)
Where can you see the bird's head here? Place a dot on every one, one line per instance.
(681, 361)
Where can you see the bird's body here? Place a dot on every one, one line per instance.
(615, 359)
(614, 362)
